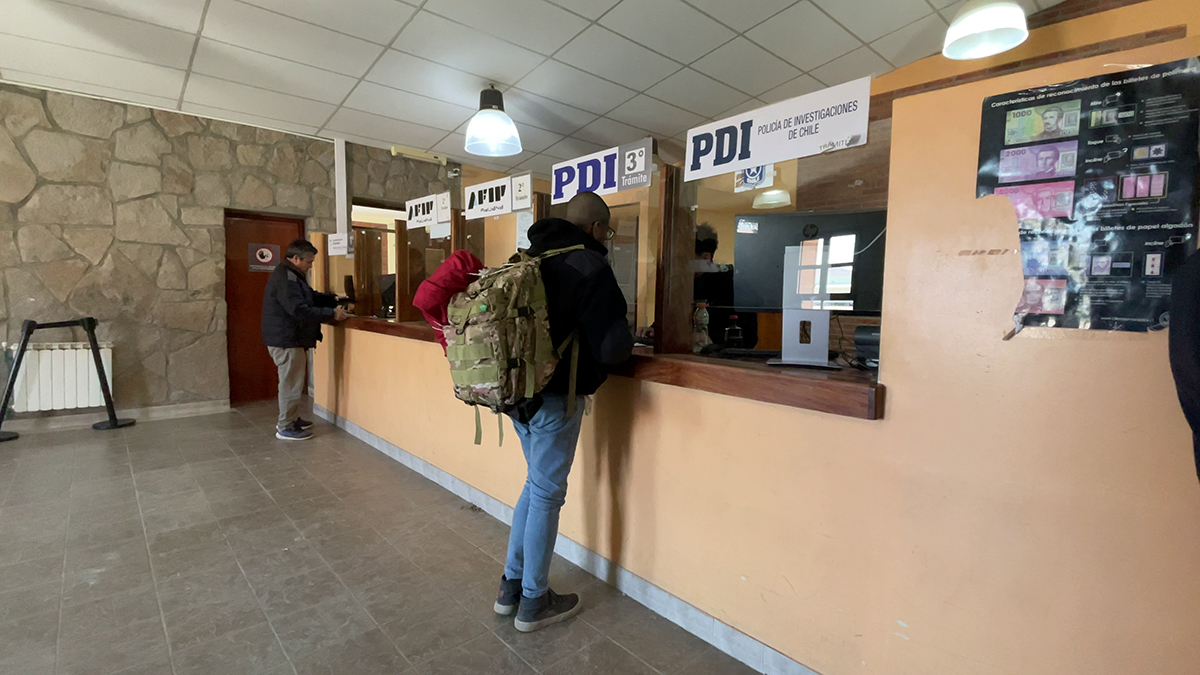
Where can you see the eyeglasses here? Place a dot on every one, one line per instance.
(609, 233)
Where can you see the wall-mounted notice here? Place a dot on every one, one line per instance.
(831, 119)
(627, 167)
(493, 198)
(263, 257)
(1102, 175)
(427, 211)
(338, 244)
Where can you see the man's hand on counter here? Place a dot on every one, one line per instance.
(340, 314)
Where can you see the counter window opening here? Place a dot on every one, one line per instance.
(743, 226)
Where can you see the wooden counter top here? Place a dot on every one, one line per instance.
(848, 392)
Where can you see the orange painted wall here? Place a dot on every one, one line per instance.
(1027, 506)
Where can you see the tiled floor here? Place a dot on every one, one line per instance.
(205, 546)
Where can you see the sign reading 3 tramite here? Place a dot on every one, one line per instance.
(831, 119)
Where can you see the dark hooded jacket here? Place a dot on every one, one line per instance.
(581, 295)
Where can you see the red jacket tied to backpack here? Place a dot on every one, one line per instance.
(451, 277)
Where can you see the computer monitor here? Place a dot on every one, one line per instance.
(759, 254)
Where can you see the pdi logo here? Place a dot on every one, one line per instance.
(724, 145)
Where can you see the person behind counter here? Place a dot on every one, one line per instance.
(582, 298)
(714, 284)
(292, 315)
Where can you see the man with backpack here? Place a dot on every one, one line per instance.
(587, 312)
(292, 315)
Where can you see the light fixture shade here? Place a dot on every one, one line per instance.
(491, 132)
(985, 28)
(772, 199)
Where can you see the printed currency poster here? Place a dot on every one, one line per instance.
(1102, 174)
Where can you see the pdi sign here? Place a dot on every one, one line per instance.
(832, 119)
(627, 167)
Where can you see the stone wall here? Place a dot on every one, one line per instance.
(117, 211)
(375, 175)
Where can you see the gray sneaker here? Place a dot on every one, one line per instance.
(537, 613)
(509, 597)
(293, 433)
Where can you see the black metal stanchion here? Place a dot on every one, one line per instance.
(89, 326)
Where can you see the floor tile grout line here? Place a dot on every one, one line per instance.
(162, 615)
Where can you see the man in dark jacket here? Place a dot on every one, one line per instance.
(583, 298)
(292, 315)
(1184, 344)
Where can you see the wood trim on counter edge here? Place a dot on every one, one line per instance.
(796, 388)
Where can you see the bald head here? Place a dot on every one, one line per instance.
(587, 211)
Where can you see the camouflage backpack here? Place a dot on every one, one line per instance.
(498, 338)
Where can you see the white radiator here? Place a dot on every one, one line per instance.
(60, 376)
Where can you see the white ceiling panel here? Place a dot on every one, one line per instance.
(384, 129)
(527, 108)
(752, 104)
(698, 93)
(124, 95)
(402, 105)
(209, 91)
(608, 133)
(859, 63)
(913, 42)
(454, 144)
(804, 36)
(805, 84)
(243, 118)
(602, 52)
(744, 65)
(570, 148)
(412, 73)
(181, 15)
(96, 31)
(592, 9)
(536, 24)
(741, 15)
(654, 115)
(374, 20)
(512, 161)
(540, 165)
(102, 70)
(270, 72)
(575, 87)
(467, 49)
(255, 28)
(535, 139)
(870, 19)
(673, 28)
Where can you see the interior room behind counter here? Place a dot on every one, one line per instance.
(754, 217)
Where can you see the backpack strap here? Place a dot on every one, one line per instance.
(572, 341)
(478, 428)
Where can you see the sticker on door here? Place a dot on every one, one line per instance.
(263, 257)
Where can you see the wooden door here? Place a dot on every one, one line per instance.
(253, 246)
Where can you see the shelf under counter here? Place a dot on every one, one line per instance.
(848, 392)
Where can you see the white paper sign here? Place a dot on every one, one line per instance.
(421, 212)
(493, 198)
(337, 244)
(443, 207)
(522, 192)
(524, 222)
(832, 119)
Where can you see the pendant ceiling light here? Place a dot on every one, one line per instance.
(772, 199)
(985, 28)
(491, 132)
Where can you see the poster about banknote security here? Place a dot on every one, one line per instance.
(1102, 174)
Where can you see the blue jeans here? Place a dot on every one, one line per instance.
(549, 442)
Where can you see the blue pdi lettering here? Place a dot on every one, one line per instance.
(593, 174)
(728, 143)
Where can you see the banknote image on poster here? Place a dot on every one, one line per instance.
(1042, 123)
(1102, 176)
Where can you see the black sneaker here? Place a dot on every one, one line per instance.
(537, 613)
(509, 597)
(302, 423)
